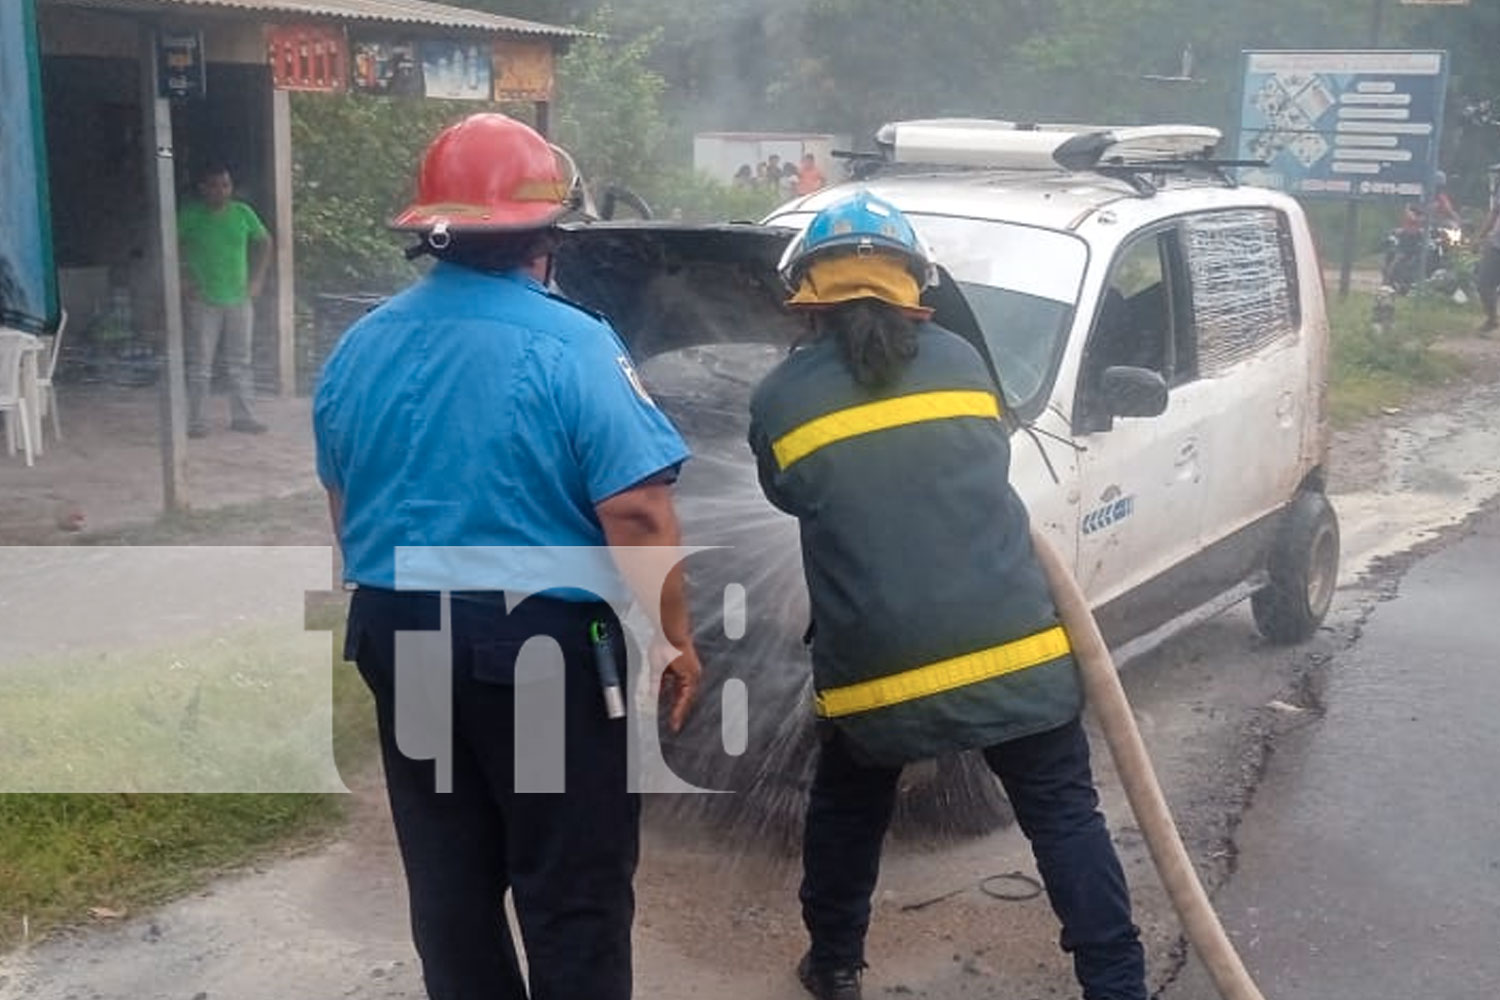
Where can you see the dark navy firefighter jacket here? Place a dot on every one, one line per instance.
(934, 629)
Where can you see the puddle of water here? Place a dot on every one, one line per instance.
(1436, 471)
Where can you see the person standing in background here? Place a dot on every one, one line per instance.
(810, 178)
(226, 253)
(1488, 275)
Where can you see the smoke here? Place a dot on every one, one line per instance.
(845, 68)
(701, 311)
(706, 390)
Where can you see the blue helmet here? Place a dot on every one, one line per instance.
(862, 223)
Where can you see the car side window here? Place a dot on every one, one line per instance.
(1242, 270)
(1139, 322)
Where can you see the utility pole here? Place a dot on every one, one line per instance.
(1351, 213)
(161, 183)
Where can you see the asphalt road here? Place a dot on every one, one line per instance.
(1369, 863)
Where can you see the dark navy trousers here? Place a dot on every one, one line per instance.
(568, 859)
(1048, 780)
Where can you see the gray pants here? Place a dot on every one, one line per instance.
(206, 323)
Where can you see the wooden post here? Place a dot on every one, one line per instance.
(544, 118)
(286, 292)
(1351, 212)
(1349, 249)
(161, 199)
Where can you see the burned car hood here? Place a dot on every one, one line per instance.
(667, 286)
(700, 308)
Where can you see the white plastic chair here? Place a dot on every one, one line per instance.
(52, 345)
(14, 346)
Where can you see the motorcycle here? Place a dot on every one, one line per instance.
(1403, 269)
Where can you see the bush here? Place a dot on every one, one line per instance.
(1378, 362)
(693, 197)
(354, 157)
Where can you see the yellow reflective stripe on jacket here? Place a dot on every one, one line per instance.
(945, 675)
(866, 418)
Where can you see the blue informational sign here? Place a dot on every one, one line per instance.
(28, 288)
(1343, 124)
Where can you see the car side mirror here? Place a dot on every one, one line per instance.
(1125, 391)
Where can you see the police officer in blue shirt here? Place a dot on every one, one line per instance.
(476, 409)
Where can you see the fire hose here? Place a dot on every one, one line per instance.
(1102, 691)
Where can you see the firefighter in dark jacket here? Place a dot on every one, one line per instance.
(933, 628)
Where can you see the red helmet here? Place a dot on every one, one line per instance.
(489, 172)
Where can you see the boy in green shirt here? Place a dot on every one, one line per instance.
(226, 252)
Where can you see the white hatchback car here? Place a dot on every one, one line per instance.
(1157, 331)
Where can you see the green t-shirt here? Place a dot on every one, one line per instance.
(215, 249)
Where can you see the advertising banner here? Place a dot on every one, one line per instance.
(524, 71)
(458, 71)
(308, 57)
(386, 67)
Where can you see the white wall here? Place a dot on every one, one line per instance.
(720, 154)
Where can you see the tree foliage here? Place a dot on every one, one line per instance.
(844, 66)
(353, 168)
(609, 115)
(660, 70)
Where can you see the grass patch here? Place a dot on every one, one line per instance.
(61, 855)
(1378, 366)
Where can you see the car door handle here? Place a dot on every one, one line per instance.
(1187, 454)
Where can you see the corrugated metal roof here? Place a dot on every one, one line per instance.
(413, 12)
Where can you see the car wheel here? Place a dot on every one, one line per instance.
(1304, 570)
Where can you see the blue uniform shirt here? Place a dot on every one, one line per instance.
(476, 409)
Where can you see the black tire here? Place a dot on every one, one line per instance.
(1304, 567)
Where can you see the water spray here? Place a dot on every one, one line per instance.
(703, 313)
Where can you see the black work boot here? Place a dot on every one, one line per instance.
(837, 983)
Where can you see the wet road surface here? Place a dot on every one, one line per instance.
(1369, 864)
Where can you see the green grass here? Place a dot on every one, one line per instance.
(1375, 369)
(63, 854)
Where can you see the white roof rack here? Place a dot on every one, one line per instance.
(985, 143)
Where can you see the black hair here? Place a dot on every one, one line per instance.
(213, 168)
(493, 252)
(876, 340)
